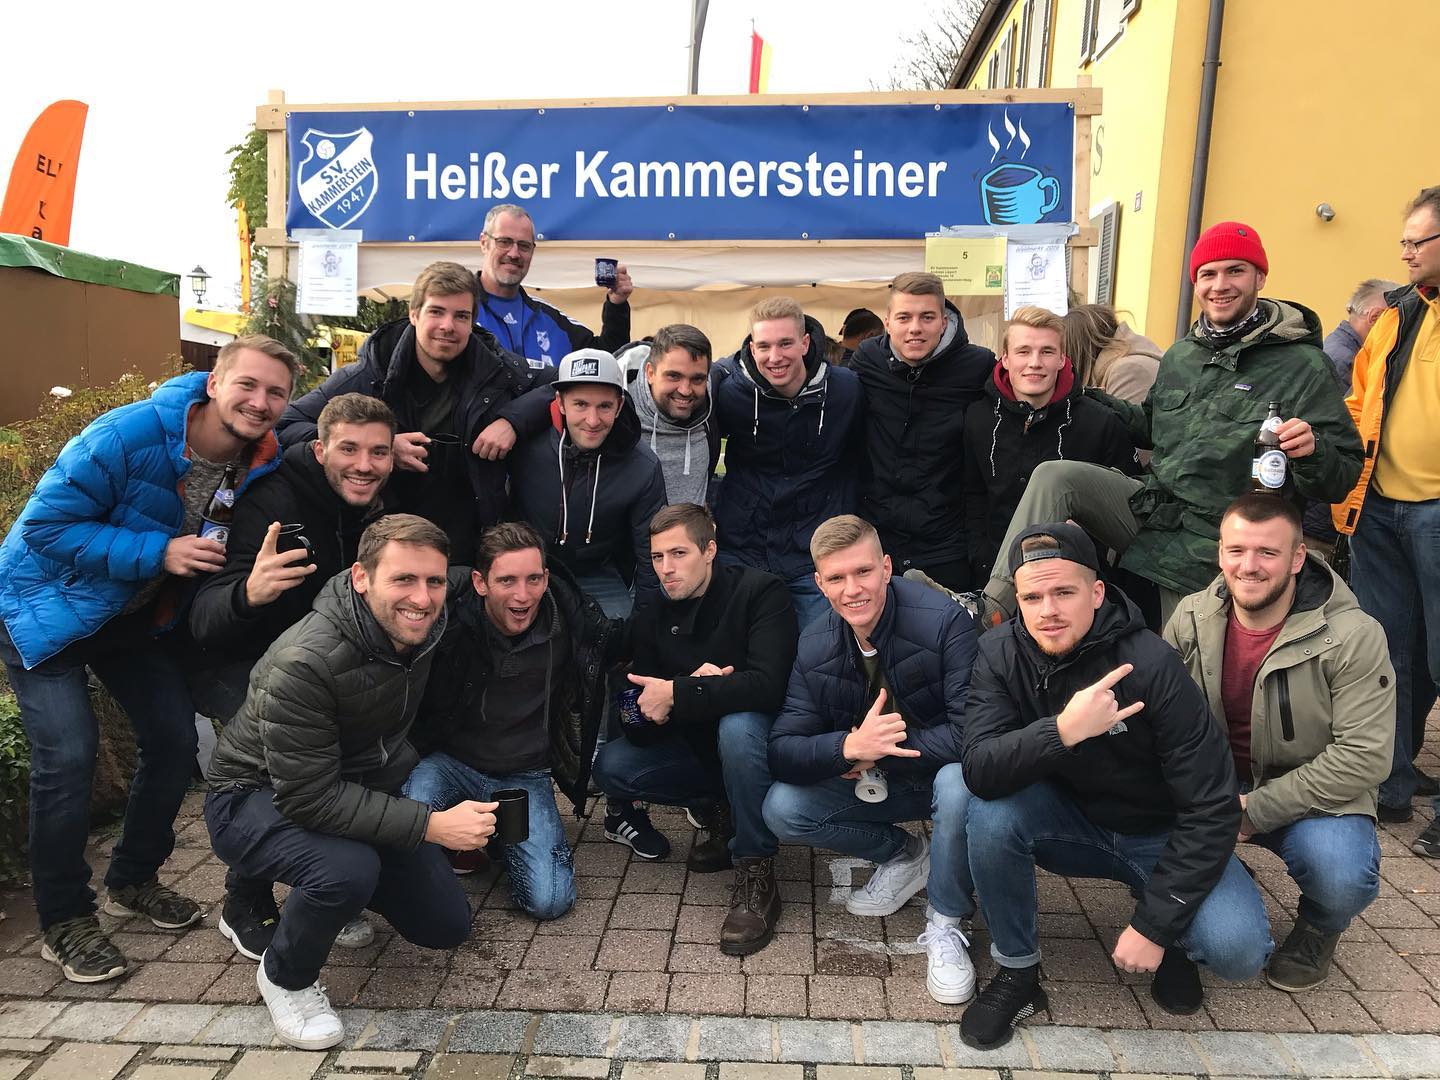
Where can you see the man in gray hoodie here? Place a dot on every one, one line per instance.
(669, 383)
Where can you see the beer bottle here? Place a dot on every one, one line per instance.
(215, 522)
(1271, 468)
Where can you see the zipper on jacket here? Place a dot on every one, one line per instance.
(1287, 716)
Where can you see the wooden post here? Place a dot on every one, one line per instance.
(1080, 255)
(277, 191)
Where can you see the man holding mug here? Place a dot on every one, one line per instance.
(514, 703)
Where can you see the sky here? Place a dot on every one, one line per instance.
(172, 85)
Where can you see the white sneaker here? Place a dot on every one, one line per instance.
(892, 884)
(305, 1018)
(949, 973)
(356, 934)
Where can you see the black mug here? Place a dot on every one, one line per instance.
(444, 448)
(512, 816)
(292, 538)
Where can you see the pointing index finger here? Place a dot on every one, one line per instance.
(1115, 676)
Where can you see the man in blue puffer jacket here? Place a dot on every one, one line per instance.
(881, 680)
(86, 581)
(793, 425)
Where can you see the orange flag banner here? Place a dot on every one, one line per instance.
(41, 194)
(759, 64)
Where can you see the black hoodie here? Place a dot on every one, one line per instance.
(1169, 768)
(790, 463)
(221, 619)
(592, 507)
(912, 485)
(1005, 438)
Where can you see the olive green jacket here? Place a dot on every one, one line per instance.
(1322, 724)
(1201, 418)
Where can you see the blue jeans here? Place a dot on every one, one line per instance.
(1042, 825)
(1396, 577)
(671, 773)
(332, 880)
(541, 867)
(1336, 863)
(64, 739)
(828, 815)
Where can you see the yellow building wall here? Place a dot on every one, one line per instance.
(1337, 107)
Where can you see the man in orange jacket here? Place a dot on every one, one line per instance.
(1393, 513)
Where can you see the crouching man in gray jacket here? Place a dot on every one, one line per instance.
(304, 785)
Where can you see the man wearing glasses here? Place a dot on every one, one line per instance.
(528, 327)
(1393, 514)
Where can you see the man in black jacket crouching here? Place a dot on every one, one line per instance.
(305, 783)
(710, 662)
(1090, 751)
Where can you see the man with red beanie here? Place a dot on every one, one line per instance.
(1201, 419)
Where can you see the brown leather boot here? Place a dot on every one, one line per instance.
(754, 908)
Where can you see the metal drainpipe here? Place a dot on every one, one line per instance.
(1201, 165)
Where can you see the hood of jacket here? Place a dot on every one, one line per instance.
(1285, 322)
(652, 420)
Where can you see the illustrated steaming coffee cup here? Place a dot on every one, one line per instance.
(292, 538)
(512, 816)
(1016, 194)
(607, 272)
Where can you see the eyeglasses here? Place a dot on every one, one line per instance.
(527, 247)
(1410, 247)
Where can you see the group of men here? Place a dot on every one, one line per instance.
(488, 561)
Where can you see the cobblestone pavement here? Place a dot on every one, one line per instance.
(633, 974)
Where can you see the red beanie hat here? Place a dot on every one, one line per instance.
(1228, 240)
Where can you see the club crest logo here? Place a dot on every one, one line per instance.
(542, 338)
(337, 179)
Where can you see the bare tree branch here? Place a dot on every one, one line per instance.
(932, 50)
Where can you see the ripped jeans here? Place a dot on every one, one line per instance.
(541, 868)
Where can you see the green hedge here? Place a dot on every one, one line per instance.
(14, 790)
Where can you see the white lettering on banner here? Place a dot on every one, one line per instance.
(596, 176)
(493, 177)
(487, 179)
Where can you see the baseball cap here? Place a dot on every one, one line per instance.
(590, 366)
(1071, 544)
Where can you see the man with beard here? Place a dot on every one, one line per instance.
(305, 783)
(792, 425)
(87, 580)
(920, 376)
(523, 324)
(1201, 419)
(711, 660)
(669, 380)
(1090, 752)
(331, 488)
(459, 400)
(1300, 678)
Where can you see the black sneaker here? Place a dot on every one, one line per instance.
(710, 853)
(1012, 995)
(1426, 786)
(629, 824)
(83, 951)
(1428, 842)
(249, 923)
(1303, 962)
(1176, 985)
(1394, 815)
(164, 907)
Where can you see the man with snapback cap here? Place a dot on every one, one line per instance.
(1201, 418)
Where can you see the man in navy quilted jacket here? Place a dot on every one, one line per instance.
(872, 734)
(91, 574)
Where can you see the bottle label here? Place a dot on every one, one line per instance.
(210, 530)
(225, 496)
(1272, 423)
(1270, 468)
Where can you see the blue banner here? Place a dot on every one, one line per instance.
(684, 172)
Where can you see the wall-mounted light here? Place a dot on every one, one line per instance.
(199, 282)
(1325, 212)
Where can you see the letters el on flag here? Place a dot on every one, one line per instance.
(759, 64)
(41, 193)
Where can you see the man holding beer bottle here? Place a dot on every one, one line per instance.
(1201, 419)
(85, 576)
